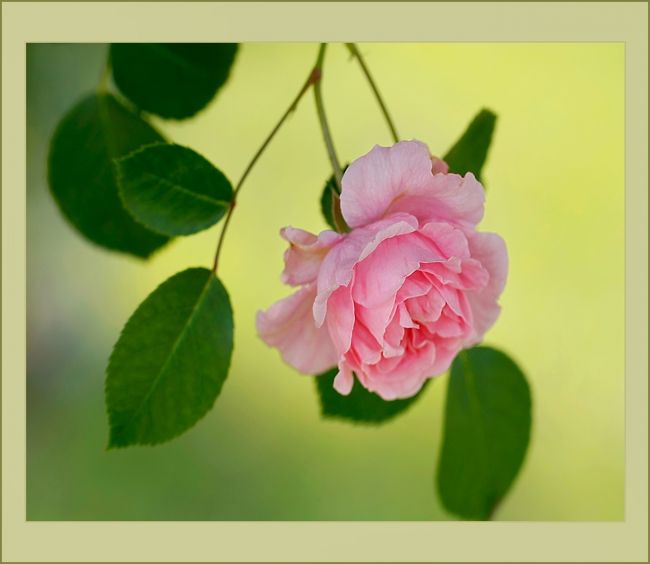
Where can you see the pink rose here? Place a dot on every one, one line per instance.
(397, 298)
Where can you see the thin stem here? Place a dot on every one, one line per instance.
(322, 118)
(313, 78)
(354, 51)
(339, 222)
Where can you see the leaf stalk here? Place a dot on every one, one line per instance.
(313, 78)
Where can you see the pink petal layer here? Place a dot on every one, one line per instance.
(344, 380)
(340, 320)
(402, 380)
(490, 250)
(400, 179)
(382, 274)
(337, 269)
(305, 254)
(289, 326)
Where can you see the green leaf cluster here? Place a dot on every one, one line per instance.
(123, 187)
(83, 175)
(136, 209)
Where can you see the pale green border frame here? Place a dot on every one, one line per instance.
(330, 541)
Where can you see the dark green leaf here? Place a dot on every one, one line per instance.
(171, 360)
(486, 433)
(173, 190)
(326, 200)
(470, 151)
(360, 406)
(172, 80)
(82, 174)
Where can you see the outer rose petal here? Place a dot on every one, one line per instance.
(303, 258)
(448, 197)
(403, 178)
(372, 182)
(439, 166)
(490, 250)
(344, 380)
(289, 326)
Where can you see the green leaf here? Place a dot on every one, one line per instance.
(172, 80)
(173, 190)
(171, 360)
(360, 406)
(326, 199)
(82, 174)
(326, 202)
(470, 151)
(486, 432)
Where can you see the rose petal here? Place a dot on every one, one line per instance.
(439, 166)
(490, 250)
(365, 346)
(344, 380)
(340, 319)
(384, 272)
(372, 182)
(426, 308)
(305, 254)
(289, 326)
(450, 197)
(338, 266)
(400, 179)
(405, 319)
(469, 275)
(376, 319)
(414, 286)
(448, 240)
(405, 378)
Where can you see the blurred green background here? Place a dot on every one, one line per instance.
(555, 192)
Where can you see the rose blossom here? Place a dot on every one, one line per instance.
(395, 299)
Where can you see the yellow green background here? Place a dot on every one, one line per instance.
(555, 192)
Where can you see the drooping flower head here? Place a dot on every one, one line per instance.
(395, 299)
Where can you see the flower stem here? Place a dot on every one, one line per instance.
(322, 118)
(354, 51)
(312, 79)
(337, 216)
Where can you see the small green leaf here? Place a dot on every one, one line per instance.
(82, 175)
(171, 360)
(172, 80)
(360, 406)
(486, 432)
(326, 200)
(173, 190)
(470, 151)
